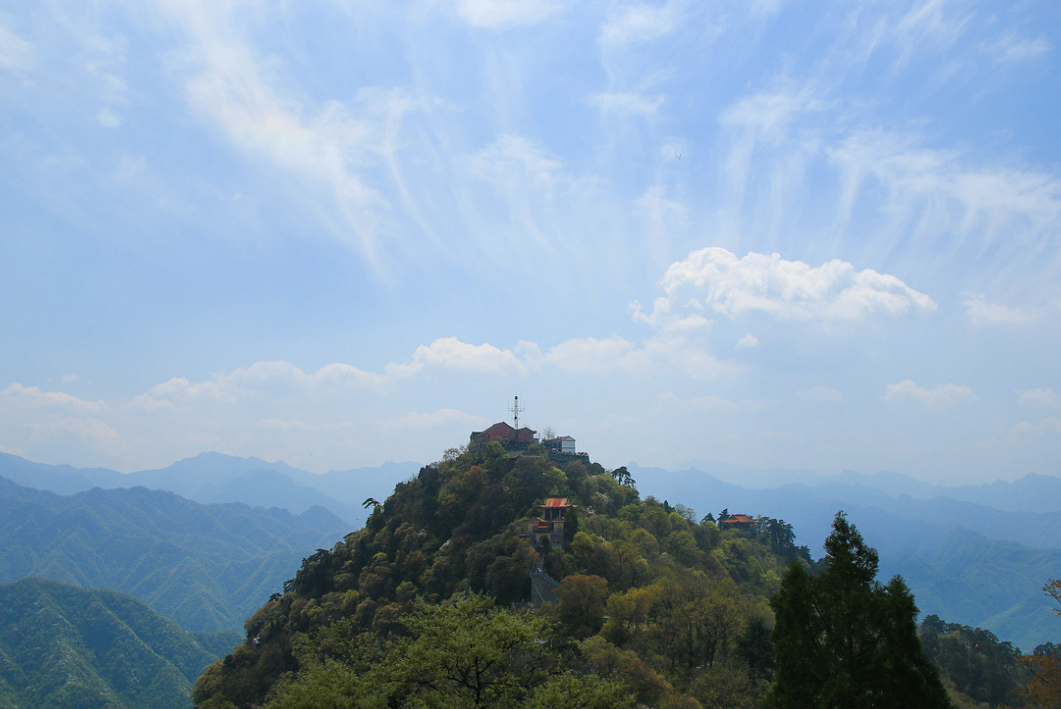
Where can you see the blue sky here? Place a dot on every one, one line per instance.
(817, 235)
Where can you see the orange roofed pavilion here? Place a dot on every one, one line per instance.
(550, 525)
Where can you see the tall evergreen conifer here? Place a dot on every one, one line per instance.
(842, 640)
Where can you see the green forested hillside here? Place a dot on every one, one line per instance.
(64, 647)
(205, 566)
(668, 605)
(441, 600)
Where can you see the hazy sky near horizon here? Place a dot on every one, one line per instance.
(818, 235)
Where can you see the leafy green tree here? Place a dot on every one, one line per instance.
(696, 620)
(1044, 688)
(628, 612)
(753, 648)
(582, 599)
(778, 533)
(842, 639)
(622, 476)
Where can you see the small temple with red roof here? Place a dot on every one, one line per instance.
(549, 526)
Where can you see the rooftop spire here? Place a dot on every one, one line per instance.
(516, 410)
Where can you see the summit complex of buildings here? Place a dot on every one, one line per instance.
(518, 440)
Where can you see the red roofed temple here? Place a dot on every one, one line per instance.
(550, 525)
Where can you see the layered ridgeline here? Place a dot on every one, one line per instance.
(64, 647)
(211, 478)
(498, 578)
(205, 566)
(976, 555)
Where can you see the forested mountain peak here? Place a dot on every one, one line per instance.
(668, 600)
(636, 602)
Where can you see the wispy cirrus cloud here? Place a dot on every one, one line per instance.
(512, 157)
(930, 25)
(503, 14)
(640, 22)
(1012, 48)
(627, 103)
(15, 52)
(770, 113)
(319, 146)
(937, 201)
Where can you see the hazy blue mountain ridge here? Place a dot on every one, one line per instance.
(1034, 492)
(205, 566)
(64, 647)
(211, 478)
(965, 562)
(908, 520)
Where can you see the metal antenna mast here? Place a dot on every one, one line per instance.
(516, 411)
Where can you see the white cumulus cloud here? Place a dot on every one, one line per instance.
(747, 342)
(1038, 398)
(982, 313)
(452, 353)
(939, 396)
(35, 396)
(716, 279)
(598, 356)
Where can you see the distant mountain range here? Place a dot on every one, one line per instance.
(205, 566)
(977, 564)
(976, 555)
(216, 478)
(1031, 493)
(64, 647)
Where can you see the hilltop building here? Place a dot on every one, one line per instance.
(563, 444)
(742, 523)
(549, 526)
(518, 440)
(506, 435)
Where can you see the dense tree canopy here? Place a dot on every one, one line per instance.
(844, 640)
(978, 664)
(463, 653)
